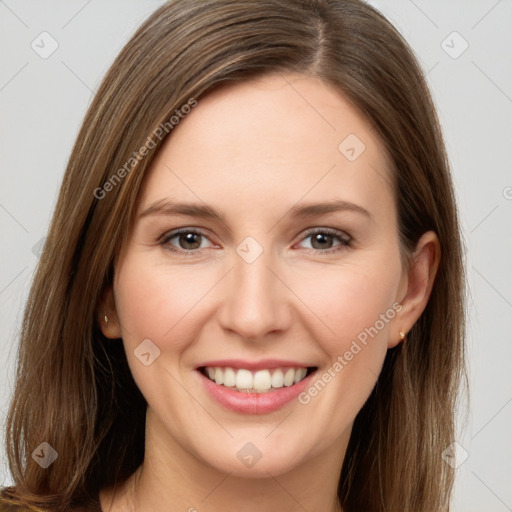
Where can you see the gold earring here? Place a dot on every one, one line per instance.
(402, 335)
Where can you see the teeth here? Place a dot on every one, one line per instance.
(299, 375)
(277, 380)
(289, 377)
(229, 377)
(243, 378)
(260, 381)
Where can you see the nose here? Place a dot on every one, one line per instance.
(255, 302)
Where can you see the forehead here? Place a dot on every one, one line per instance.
(272, 140)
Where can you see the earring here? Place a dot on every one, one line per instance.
(106, 318)
(402, 335)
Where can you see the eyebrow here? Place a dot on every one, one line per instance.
(166, 207)
(313, 210)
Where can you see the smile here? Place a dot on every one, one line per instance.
(261, 381)
(257, 390)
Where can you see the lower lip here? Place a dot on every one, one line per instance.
(254, 403)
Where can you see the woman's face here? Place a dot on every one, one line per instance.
(264, 278)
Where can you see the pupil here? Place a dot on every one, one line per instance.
(319, 237)
(189, 239)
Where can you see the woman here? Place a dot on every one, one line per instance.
(251, 294)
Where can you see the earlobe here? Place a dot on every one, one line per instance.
(420, 281)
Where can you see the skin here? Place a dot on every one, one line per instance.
(253, 151)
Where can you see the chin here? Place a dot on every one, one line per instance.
(256, 458)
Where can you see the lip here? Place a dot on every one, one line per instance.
(254, 403)
(264, 364)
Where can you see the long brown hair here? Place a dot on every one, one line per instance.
(74, 389)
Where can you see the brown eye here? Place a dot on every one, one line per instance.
(327, 240)
(189, 240)
(321, 241)
(184, 241)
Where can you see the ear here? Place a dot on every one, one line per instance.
(417, 283)
(107, 308)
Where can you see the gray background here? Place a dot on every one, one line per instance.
(43, 100)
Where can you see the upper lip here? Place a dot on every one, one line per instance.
(254, 365)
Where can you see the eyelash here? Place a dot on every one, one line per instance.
(343, 238)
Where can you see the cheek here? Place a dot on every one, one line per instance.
(155, 300)
(355, 306)
(349, 300)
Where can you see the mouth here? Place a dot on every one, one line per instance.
(255, 391)
(244, 380)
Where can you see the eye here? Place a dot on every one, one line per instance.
(188, 240)
(322, 240)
